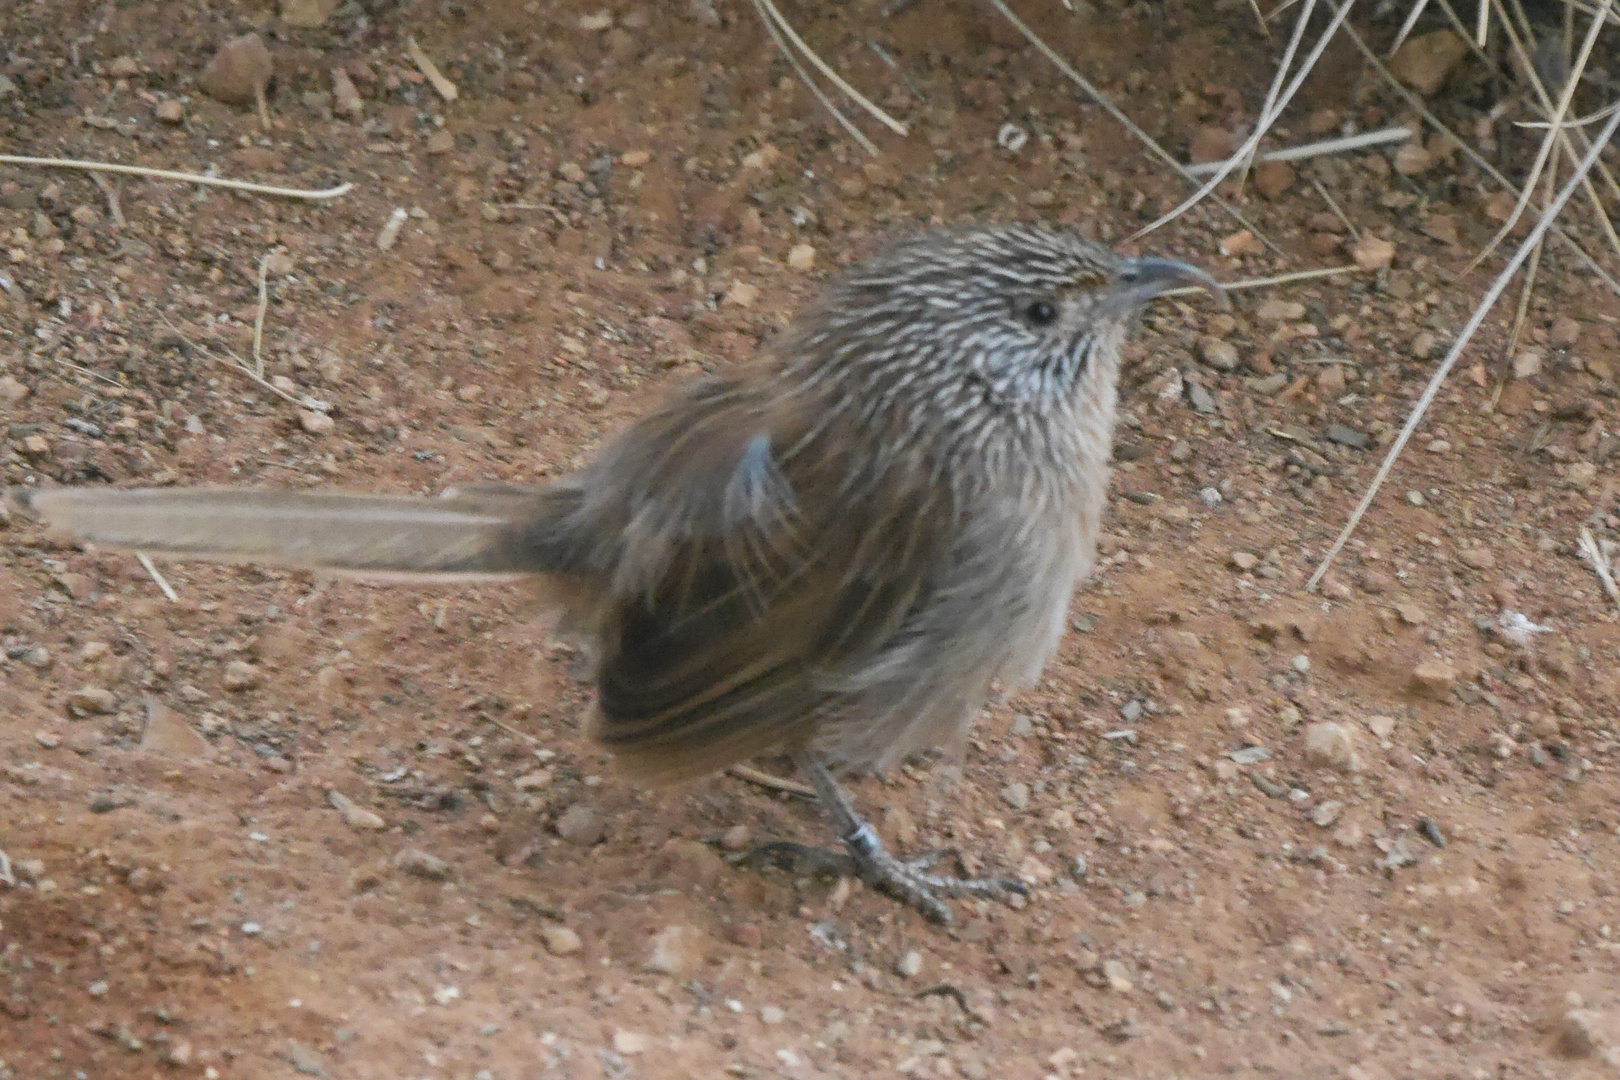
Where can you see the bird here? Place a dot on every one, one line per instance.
(840, 552)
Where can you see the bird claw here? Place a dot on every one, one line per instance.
(906, 880)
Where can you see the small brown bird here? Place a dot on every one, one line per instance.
(835, 553)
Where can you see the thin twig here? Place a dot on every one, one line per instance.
(832, 76)
(1600, 564)
(1381, 137)
(1259, 17)
(1103, 102)
(1267, 282)
(804, 76)
(315, 195)
(1412, 17)
(162, 582)
(1334, 206)
(85, 371)
(773, 783)
(1543, 225)
(114, 210)
(236, 362)
(1267, 119)
(258, 316)
(508, 728)
(430, 70)
(1277, 80)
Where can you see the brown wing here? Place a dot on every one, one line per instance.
(767, 581)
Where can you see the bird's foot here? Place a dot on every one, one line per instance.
(910, 882)
(907, 880)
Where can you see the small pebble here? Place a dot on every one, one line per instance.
(240, 675)
(736, 838)
(677, 950)
(169, 111)
(1331, 746)
(1118, 977)
(238, 72)
(629, 1043)
(802, 258)
(1016, 796)
(96, 700)
(1373, 252)
(560, 941)
(420, 864)
(1218, 354)
(1326, 813)
(581, 824)
(1276, 309)
(771, 1014)
(742, 294)
(355, 816)
(1433, 677)
(910, 965)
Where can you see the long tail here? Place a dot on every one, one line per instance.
(482, 533)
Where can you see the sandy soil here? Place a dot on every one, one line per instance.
(282, 826)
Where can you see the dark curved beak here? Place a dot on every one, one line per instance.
(1139, 280)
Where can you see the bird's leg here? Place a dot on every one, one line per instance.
(908, 881)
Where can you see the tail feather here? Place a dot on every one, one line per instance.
(471, 535)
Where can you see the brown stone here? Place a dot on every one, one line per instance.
(239, 71)
(1423, 62)
(1273, 178)
(1433, 678)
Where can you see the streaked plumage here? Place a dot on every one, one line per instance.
(837, 551)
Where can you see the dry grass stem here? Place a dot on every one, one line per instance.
(1542, 227)
(832, 76)
(1267, 118)
(1417, 105)
(1273, 280)
(314, 195)
(1102, 101)
(1573, 140)
(1334, 206)
(804, 76)
(1600, 564)
(772, 783)
(115, 210)
(1412, 16)
(430, 71)
(152, 571)
(1548, 143)
(238, 364)
(1259, 17)
(1569, 125)
(1341, 145)
(258, 316)
(1269, 105)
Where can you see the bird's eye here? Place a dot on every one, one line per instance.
(1040, 313)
